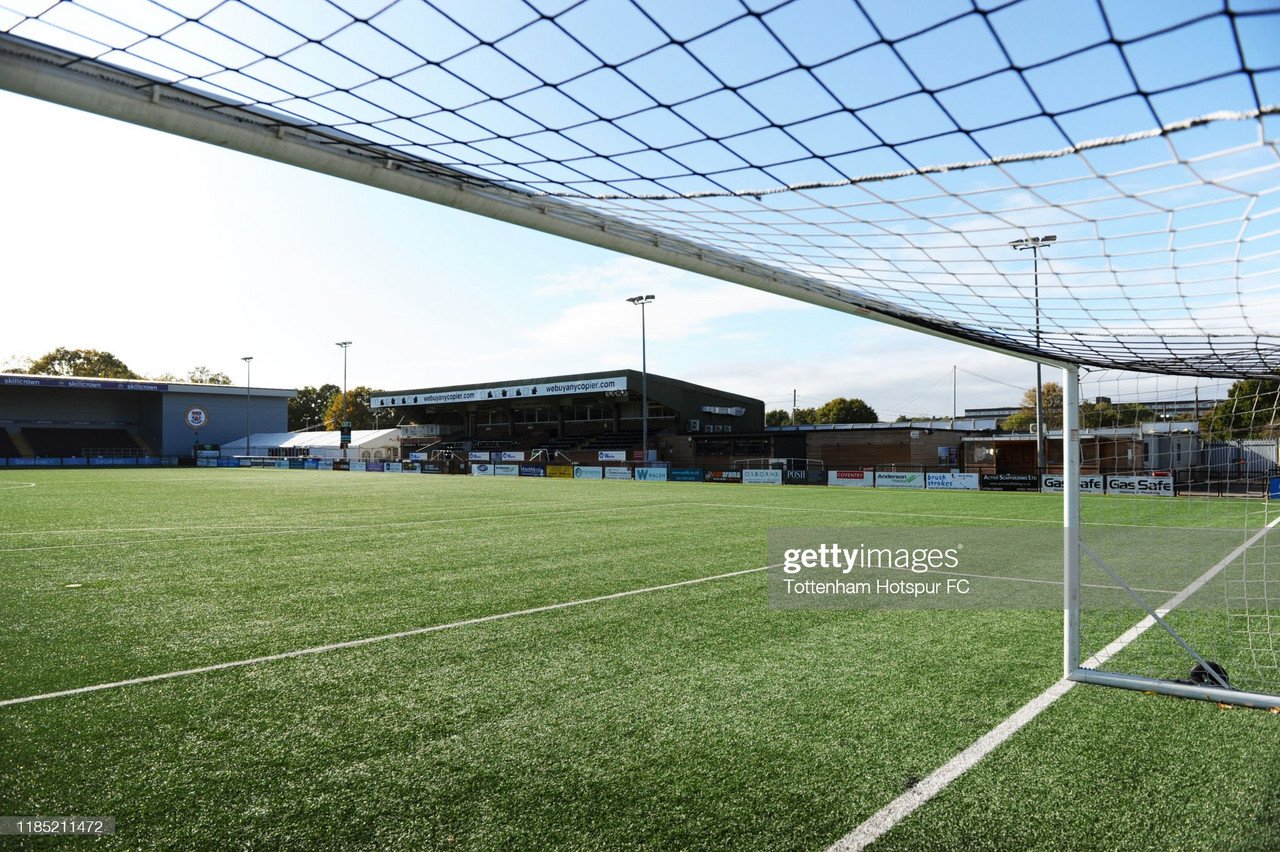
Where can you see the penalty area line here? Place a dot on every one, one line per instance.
(881, 822)
(370, 640)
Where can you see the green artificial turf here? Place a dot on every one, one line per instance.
(693, 717)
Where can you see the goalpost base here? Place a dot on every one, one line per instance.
(1181, 690)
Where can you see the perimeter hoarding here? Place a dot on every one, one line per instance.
(1143, 486)
(651, 474)
(506, 470)
(482, 470)
(762, 477)
(722, 476)
(588, 472)
(894, 479)
(685, 474)
(617, 473)
(851, 478)
(1010, 482)
(560, 471)
(533, 470)
(1053, 483)
(952, 481)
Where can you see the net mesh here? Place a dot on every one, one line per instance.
(890, 150)
(1177, 474)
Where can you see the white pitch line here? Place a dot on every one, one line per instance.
(881, 822)
(8, 485)
(355, 643)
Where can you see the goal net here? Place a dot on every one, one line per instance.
(891, 160)
(1178, 554)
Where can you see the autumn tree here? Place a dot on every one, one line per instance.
(842, 410)
(1251, 410)
(777, 417)
(1051, 409)
(309, 408)
(85, 363)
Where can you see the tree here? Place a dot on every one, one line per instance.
(805, 415)
(777, 417)
(359, 411)
(205, 376)
(86, 363)
(1102, 414)
(308, 409)
(198, 376)
(842, 410)
(1249, 411)
(1051, 409)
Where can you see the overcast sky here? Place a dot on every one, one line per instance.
(171, 253)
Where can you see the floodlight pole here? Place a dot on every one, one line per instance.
(343, 425)
(248, 400)
(1034, 244)
(644, 374)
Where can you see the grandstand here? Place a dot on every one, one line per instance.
(51, 417)
(579, 413)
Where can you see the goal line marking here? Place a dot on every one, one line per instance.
(881, 822)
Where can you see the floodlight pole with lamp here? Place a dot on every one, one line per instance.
(248, 422)
(346, 424)
(644, 374)
(1034, 244)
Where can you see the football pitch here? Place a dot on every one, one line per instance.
(558, 664)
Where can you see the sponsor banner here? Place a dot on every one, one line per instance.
(893, 479)
(1010, 482)
(685, 474)
(851, 478)
(19, 462)
(617, 473)
(1090, 483)
(651, 474)
(1273, 487)
(588, 472)
(236, 463)
(408, 467)
(419, 456)
(1159, 486)
(762, 477)
(722, 476)
(612, 383)
(480, 457)
(431, 467)
(532, 469)
(356, 464)
(113, 462)
(311, 464)
(611, 455)
(481, 469)
(952, 481)
(75, 462)
(3, 461)
(394, 467)
(90, 384)
(560, 471)
(297, 464)
(375, 466)
(803, 477)
(324, 464)
(506, 470)
(511, 455)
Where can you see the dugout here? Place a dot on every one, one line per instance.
(70, 417)
(568, 413)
